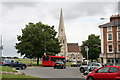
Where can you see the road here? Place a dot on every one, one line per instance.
(70, 73)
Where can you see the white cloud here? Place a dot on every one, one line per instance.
(59, 0)
(80, 21)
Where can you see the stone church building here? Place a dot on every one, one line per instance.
(69, 50)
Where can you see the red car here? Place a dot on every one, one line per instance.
(105, 73)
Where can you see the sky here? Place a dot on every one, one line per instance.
(81, 18)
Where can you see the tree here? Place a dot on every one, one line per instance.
(37, 39)
(93, 44)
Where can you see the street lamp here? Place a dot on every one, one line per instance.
(87, 49)
(44, 42)
(115, 47)
(1, 47)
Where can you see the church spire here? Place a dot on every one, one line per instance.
(61, 25)
(62, 36)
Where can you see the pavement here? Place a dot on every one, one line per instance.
(70, 73)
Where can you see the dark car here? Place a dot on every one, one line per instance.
(105, 73)
(59, 64)
(13, 63)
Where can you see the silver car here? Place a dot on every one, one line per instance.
(90, 66)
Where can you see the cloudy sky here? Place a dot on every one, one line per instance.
(81, 18)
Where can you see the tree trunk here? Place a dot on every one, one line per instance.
(38, 60)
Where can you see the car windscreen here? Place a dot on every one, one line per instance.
(59, 62)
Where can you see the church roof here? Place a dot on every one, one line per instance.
(73, 47)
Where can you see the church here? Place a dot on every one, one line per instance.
(69, 50)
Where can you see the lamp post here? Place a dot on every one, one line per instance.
(1, 47)
(87, 49)
(115, 47)
(44, 42)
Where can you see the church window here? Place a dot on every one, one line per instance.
(63, 41)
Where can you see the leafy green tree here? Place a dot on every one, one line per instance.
(37, 39)
(93, 44)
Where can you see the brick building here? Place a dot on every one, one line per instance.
(73, 53)
(110, 40)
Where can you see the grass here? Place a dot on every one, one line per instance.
(6, 68)
(68, 63)
(15, 76)
(19, 77)
(29, 62)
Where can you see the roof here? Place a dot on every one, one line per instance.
(73, 47)
(112, 23)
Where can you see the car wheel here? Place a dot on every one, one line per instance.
(82, 70)
(23, 67)
(90, 78)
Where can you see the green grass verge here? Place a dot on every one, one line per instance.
(28, 62)
(15, 76)
(8, 69)
(68, 63)
(19, 77)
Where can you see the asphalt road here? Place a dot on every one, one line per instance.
(70, 73)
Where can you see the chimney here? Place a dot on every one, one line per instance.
(115, 18)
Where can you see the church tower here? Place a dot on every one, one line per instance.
(62, 36)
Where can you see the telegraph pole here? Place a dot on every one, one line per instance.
(87, 49)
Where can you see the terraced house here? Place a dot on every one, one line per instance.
(110, 40)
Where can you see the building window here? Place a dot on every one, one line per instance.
(110, 48)
(72, 54)
(118, 36)
(118, 28)
(109, 36)
(109, 28)
(119, 47)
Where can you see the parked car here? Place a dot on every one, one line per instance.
(13, 63)
(73, 64)
(90, 67)
(105, 73)
(59, 64)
